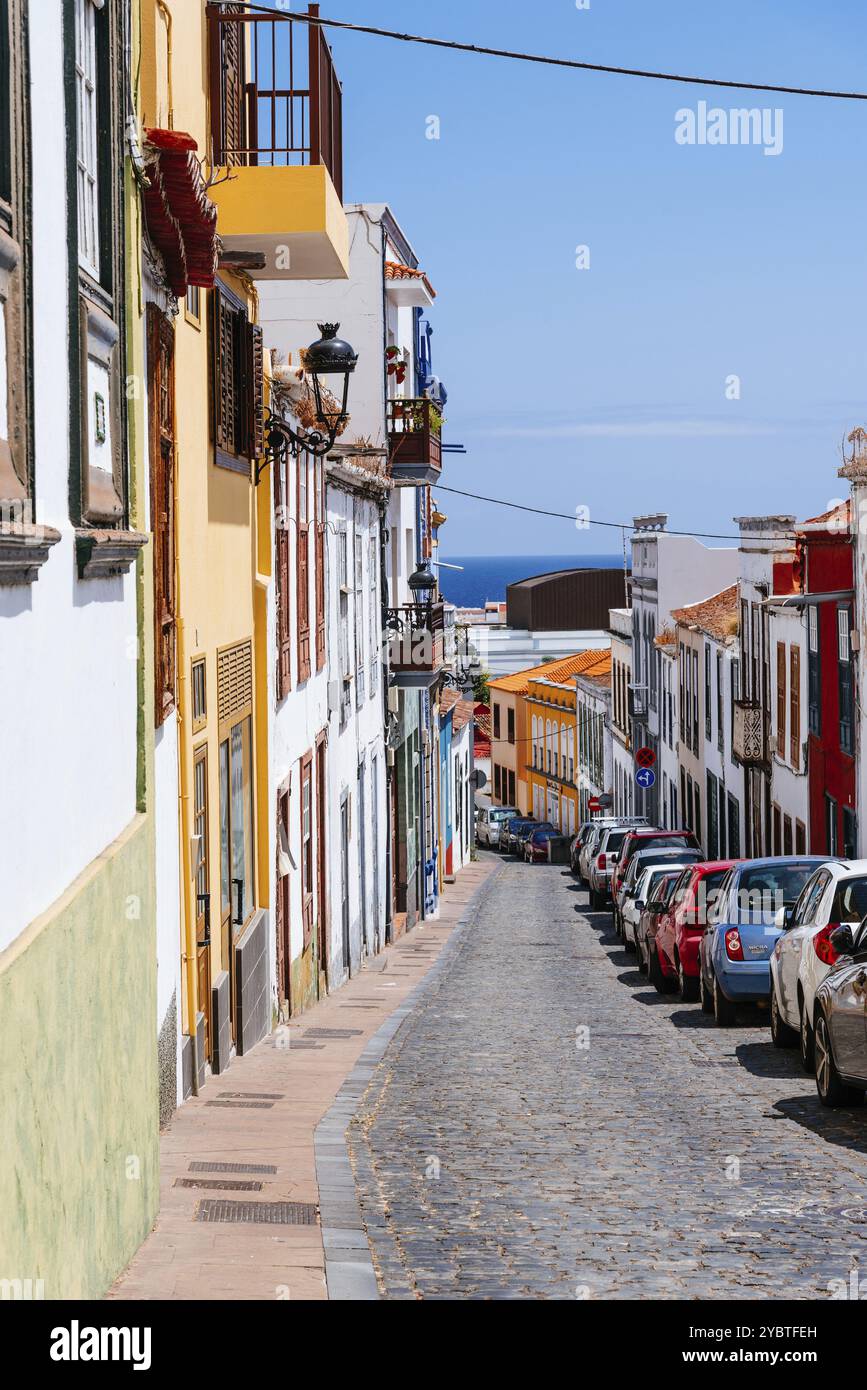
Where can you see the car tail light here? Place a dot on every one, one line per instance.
(601, 862)
(734, 946)
(822, 945)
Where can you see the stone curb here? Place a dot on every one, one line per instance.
(349, 1272)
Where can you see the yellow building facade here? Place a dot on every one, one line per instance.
(211, 182)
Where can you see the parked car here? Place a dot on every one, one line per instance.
(536, 844)
(606, 849)
(509, 832)
(490, 821)
(644, 859)
(680, 929)
(524, 832)
(585, 830)
(841, 1021)
(755, 902)
(646, 837)
(588, 846)
(834, 895)
(649, 879)
(649, 915)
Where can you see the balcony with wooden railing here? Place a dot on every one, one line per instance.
(414, 440)
(751, 734)
(276, 132)
(416, 638)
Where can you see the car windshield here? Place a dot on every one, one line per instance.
(649, 881)
(663, 842)
(763, 890)
(850, 900)
(503, 815)
(615, 840)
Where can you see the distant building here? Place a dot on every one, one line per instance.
(565, 600)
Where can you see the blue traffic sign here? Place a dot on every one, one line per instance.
(646, 778)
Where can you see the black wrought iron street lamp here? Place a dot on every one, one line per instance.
(422, 585)
(328, 356)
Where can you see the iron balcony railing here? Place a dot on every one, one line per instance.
(416, 637)
(275, 95)
(415, 433)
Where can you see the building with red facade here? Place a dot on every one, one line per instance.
(827, 579)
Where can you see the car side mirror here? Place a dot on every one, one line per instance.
(843, 940)
(655, 906)
(639, 903)
(781, 918)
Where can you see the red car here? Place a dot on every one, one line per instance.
(680, 929)
(536, 845)
(646, 838)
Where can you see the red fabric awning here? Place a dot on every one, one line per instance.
(181, 218)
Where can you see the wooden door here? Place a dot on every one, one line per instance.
(203, 889)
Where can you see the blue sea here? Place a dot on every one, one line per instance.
(483, 578)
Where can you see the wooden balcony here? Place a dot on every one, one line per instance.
(415, 644)
(414, 441)
(750, 735)
(276, 108)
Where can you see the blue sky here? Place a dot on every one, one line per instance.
(606, 387)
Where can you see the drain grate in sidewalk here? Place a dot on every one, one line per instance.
(222, 1184)
(200, 1167)
(251, 1095)
(257, 1213)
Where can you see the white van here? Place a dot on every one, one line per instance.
(490, 819)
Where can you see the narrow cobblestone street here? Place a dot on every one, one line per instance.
(495, 1158)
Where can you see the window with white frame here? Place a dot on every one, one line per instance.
(87, 144)
(343, 588)
(535, 740)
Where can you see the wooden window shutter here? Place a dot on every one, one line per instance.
(795, 695)
(319, 503)
(781, 699)
(284, 626)
(233, 139)
(303, 576)
(256, 392)
(161, 418)
(222, 372)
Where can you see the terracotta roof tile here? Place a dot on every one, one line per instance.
(463, 715)
(840, 515)
(556, 671)
(714, 615)
(395, 271)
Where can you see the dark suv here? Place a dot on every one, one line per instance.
(646, 839)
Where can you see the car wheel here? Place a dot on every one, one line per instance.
(659, 980)
(642, 963)
(704, 994)
(832, 1090)
(595, 900)
(688, 985)
(723, 1008)
(628, 941)
(781, 1034)
(806, 1041)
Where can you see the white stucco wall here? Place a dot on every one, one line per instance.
(68, 648)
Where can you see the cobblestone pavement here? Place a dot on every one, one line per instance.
(672, 1159)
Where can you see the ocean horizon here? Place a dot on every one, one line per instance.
(484, 578)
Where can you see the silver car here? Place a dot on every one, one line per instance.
(606, 848)
(841, 1021)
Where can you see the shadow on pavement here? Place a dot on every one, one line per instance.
(846, 1127)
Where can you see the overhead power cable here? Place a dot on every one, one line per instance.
(548, 61)
(565, 516)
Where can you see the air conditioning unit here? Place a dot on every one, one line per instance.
(393, 700)
(334, 696)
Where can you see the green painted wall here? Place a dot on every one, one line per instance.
(79, 1173)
